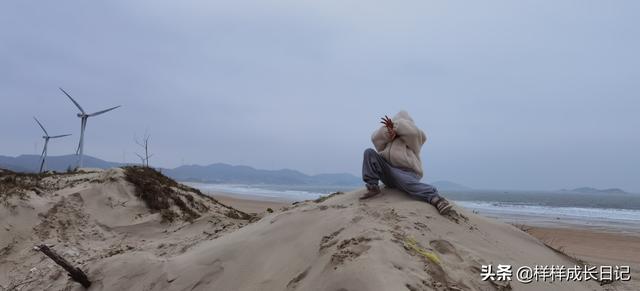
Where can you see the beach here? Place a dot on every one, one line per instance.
(598, 247)
(249, 204)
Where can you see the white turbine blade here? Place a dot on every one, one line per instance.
(57, 136)
(103, 111)
(45, 131)
(74, 101)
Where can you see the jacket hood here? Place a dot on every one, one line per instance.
(403, 114)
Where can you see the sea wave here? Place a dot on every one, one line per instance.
(549, 215)
(258, 191)
(577, 212)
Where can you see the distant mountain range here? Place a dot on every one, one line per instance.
(31, 163)
(214, 173)
(224, 173)
(590, 190)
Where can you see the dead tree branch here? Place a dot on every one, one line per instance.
(144, 143)
(75, 273)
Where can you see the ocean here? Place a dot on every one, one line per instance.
(617, 212)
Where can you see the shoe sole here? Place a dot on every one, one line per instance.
(445, 209)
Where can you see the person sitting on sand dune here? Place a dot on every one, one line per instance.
(396, 161)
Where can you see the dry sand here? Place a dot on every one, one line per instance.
(391, 242)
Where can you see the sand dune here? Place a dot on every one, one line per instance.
(344, 244)
(90, 217)
(392, 242)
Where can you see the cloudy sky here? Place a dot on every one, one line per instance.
(512, 94)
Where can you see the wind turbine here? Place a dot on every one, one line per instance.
(83, 124)
(46, 137)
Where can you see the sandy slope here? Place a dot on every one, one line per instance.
(342, 244)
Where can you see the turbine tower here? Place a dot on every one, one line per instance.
(46, 137)
(83, 124)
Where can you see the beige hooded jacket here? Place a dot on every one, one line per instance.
(404, 150)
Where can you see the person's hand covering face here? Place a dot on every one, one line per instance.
(389, 125)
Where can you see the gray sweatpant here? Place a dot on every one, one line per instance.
(375, 168)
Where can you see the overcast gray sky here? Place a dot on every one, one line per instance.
(512, 94)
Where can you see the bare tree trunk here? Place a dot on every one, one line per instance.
(144, 143)
(146, 150)
(75, 273)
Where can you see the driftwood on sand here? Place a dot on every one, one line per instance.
(75, 273)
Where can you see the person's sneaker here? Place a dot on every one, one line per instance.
(372, 190)
(442, 205)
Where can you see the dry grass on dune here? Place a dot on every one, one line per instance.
(12, 183)
(20, 184)
(160, 193)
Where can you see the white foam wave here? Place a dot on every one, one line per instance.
(256, 191)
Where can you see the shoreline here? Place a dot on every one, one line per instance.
(249, 204)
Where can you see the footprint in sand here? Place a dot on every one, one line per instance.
(445, 248)
(421, 226)
(329, 240)
(296, 280)
(350, 249)
(451, 255)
